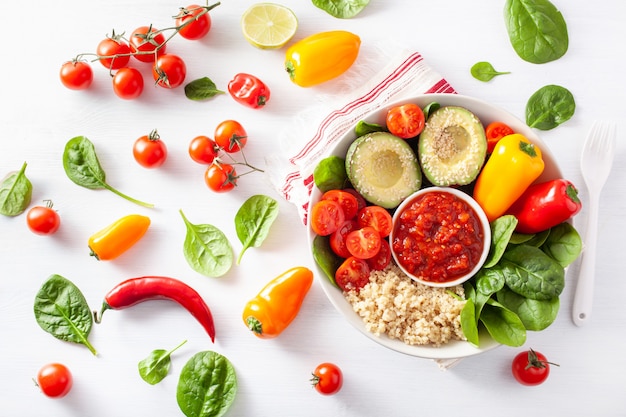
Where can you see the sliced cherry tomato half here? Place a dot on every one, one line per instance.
(347, 201)
(338, 238)
(376, 217)
(363, 243)
(352, 274)
(405, 121)
(494, 132)
(326, 217)
(382, 259)
(359, 198)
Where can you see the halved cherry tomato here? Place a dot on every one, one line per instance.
(326, 217)
(76, 75)
(338, 238)
(376, 217)
(220, 177)
(364, 243)
(230, 136)
(494, 132)
(144, 41)
(169, 71)
(347, 201)
(196, 23)
(327, 378)
(359, 198)
(203, 149)
(117, 51)
(352, 274)
(382, 259)
(405, 121)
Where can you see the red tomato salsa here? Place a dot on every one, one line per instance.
(438, 237)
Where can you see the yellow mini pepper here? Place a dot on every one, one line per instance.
(514, 164)
(278, 303)
(321, 57)
(118, 237)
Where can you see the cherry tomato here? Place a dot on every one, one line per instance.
(338, 238)
(230, 136)
(144, 40)
(169, 71)
(197, 23)
(43, 220)
(530, 367)
(346, 200)
(352, 274)
(203, 149)
(115, 48)
(55, 380)
(128, 83)
(76, 75)
(364, 243)
(382, 259)
(376, 217)
(405, 121)
(150, 151)
(494, 132)
(220, 177)
(359, 198)
(327, 378)
(326, 217)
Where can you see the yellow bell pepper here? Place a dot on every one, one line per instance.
(321, 57)
(118, 237)
(514, 164)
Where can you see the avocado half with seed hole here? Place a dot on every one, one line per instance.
(452, 147)
(383, 169)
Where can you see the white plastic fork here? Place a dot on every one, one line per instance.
(595, 164)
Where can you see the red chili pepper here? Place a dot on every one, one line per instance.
(136, 290)
(249, 90)
(545, 205)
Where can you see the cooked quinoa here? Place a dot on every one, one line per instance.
(395, 305)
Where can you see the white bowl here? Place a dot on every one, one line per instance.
(486, 113)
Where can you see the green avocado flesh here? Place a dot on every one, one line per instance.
(383, 169)
(452, 147)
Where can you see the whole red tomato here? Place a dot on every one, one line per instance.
(169, 71)
(405, 121)
(327, 378)
(55, 380)
(221, 177)
(203, 149)
(116, 49)
(43, 220)
(76, 75)
(196, 21)
(144, 41)
(150, 151)
(230, 136)
(128, 83)
(530, 367)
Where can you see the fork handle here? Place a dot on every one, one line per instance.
(583, 298)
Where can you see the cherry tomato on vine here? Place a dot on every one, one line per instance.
(327, 378)
(326, 217)
(221, 177)
(55, 380)
(128, 83)
(352, 274)
(405, 121)
(43, 220)
(364, 243)
(494, 132)
(144, 40)
(530, 367)
(203, 149)
(111, 47)
(230, 136)
(76, 75)
(149, 150)
(169, 71)
(199, 25)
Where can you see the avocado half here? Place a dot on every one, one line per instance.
(452, 147)
(383, 168)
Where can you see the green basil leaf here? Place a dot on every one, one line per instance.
(206, 249)
(207, 385)
(503, 325)
(342, 9)
(201, 89)
(537, 30)
(15, 193)
(484, 71)
(155, 367)
(535, 314)
(502, 229)
(330, 174)
(563, 244)
(254, 220)
(549, 107)
(61, 310)
(531, 273)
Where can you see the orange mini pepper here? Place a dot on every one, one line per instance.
(118, 237)
(514, 164)
(278, 303)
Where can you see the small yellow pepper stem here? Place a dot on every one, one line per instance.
(118, 237)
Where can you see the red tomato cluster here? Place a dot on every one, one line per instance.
(357, 232)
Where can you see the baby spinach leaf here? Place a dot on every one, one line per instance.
(15, 193)
(207, 385)
(61, 310)
(253, 221)
(537, 30)
(563, 244)
(503, 325)
(330, 174)
(82, 166)
(325, 258)
(531, 273)
(469, 322)
(484, 71)
(430, 108)
(342, 9)
(156, 365)
(535, 314)
(549, 107)
(363, 128)
(206, 249)
(502, 229)
(201, 89)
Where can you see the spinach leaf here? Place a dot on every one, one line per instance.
(519, 238)
(535, 314)
(363, 128)
(538, 239)
(502, 229)
(549, 107)
(201, 89)
(15, 193)
(430, 108)
(484, 71)
(469, 322)
(503, 325)
(82, 166)
(531, 273)
(330, 174)
(563, 244)
(342, 9)
(61, 310)
(537, 30)
(207, 385)
(156, 365)
(325, 258)
(253, 221)
(206, 249)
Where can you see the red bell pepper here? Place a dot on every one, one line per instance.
(545, 205)
(249, 90)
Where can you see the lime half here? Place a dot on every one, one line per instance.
(268, 25)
